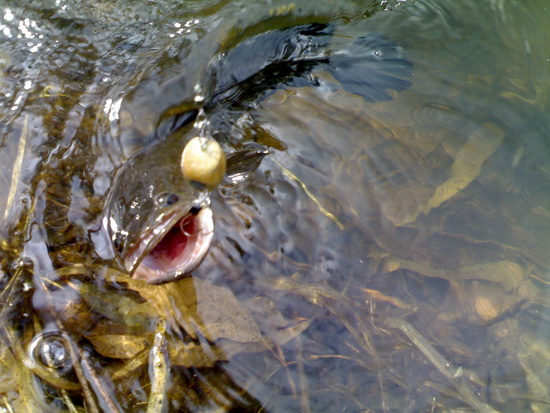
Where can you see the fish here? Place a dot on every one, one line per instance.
(160, 223)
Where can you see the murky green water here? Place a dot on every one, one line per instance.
(385, 256)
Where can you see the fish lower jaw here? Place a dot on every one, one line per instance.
(180, 251)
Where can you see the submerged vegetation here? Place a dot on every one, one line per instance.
(389, 253)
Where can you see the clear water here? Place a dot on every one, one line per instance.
(384, 257)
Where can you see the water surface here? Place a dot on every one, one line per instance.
(385, 256)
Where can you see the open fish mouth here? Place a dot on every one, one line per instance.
(175, 247)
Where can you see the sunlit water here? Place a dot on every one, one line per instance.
(384, 257)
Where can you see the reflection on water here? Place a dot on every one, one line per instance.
(385, 256)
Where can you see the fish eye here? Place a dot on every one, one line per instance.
(195, 210)
(167, 199)
(117, 243)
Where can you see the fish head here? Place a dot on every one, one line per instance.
(159, 221)
(160, 232)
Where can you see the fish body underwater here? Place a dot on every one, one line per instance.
(159, 222)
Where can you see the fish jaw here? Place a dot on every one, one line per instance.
(173, 248)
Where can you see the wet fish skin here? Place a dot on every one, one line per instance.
(269, 60)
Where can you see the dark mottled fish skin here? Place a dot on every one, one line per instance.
(268, 60)
(369, 66)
